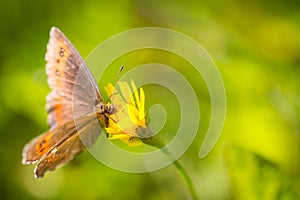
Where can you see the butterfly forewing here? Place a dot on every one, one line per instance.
(73, 86)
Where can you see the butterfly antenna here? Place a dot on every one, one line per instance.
(119, 75)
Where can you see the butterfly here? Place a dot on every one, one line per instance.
(75, 108)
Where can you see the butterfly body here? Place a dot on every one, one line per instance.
(75, 108)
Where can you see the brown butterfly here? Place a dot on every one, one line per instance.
(76, 111)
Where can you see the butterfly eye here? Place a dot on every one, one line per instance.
(110, 108)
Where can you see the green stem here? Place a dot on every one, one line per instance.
(184, 175)
(156, 141)
(187, 180)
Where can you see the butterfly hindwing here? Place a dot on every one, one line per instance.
(60, 145)
(59, 155)
(42, 144)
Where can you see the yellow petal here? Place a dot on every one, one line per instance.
(136, 94)
(125, 90)
(109, 89)
(113, 130)
(142, 104)
(126, 122)
(119, 137)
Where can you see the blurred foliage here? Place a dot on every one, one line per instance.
(255, 45)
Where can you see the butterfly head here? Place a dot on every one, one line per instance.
(102, 108)
(104, 111)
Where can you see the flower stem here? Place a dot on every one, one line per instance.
(184, 175)
(157, 142)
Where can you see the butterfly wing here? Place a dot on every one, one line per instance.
(42, 144)
(59, 155)
(60, 145)
(65, 150)
(70, 106)
(73, 86)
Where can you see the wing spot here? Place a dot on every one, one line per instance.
(42, 149)
(57, 72)
(57, 61)
(42, 143)
(62, 52)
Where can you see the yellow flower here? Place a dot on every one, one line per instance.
(128, 124)
(130, 113)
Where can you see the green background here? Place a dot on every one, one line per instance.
(256, 46)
